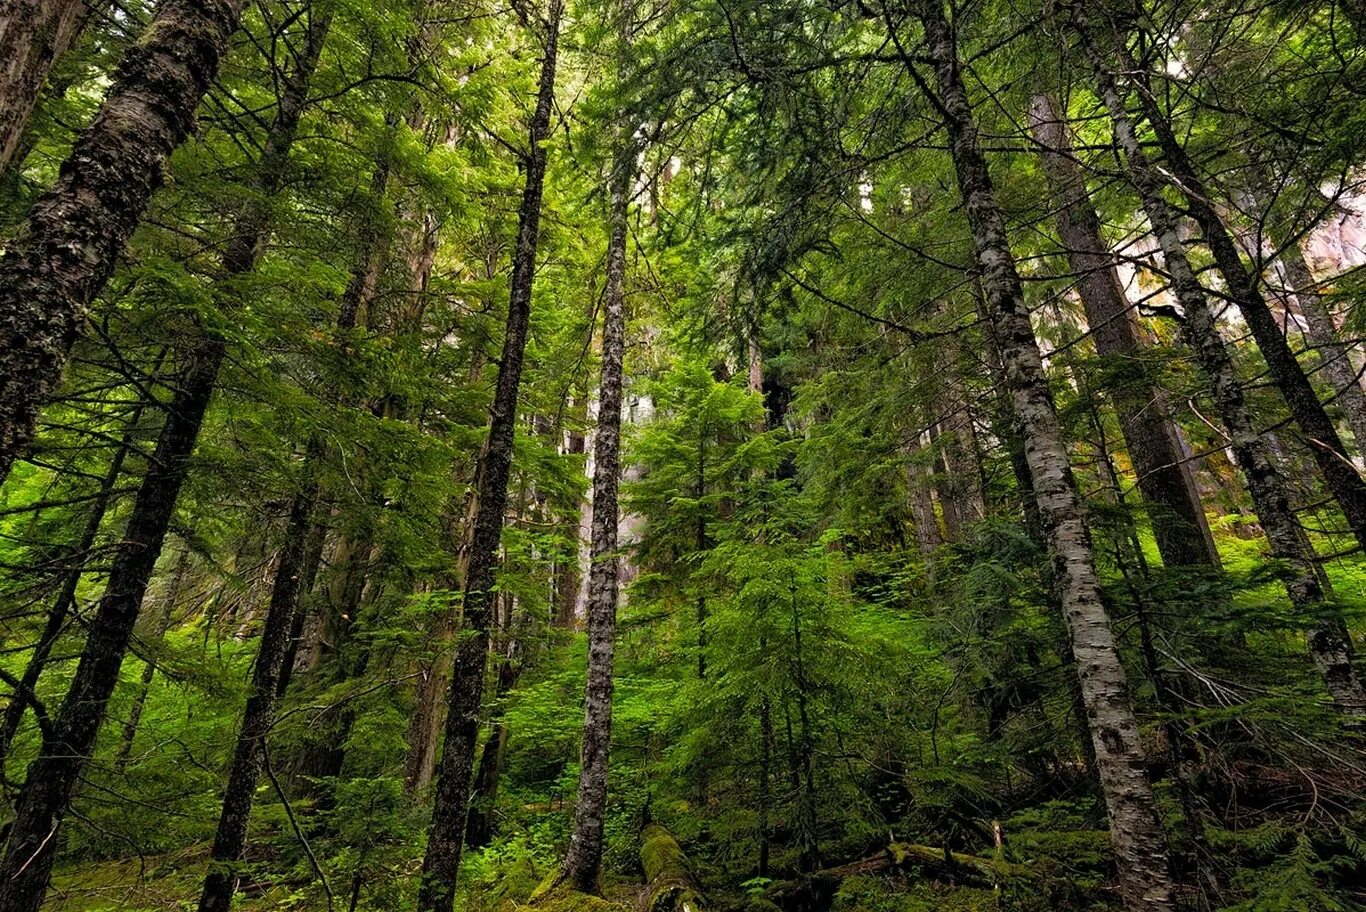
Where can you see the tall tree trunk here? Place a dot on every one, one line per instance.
(479, 829)
(27, 863)
(1320, 435)
(67, 248)
(445, 838)
(33, 36)
(583, 863)
(58, 617)
(1323, 335)
(1330, 646)
(1135, 827)
(259, 715)
(149, 667)
(1165, 479)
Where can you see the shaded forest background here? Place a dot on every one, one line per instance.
(855, 455)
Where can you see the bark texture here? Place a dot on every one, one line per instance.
(66, 250)
(445, 838)
(1330, 646)
(33, 35)
(1244, 287)
(1323, 335)
(27, 864)
(1135, 828)
(1165, 478)
(583, 863)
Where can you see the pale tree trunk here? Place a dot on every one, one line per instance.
(450, 811)
(33, 36)
(583, 863)
(1165, 479)
(1136, 832)
(67, 248)
(1330, 646)
(1318, 431)
(1323, 335)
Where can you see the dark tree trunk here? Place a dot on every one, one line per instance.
(60, 614)
(479, 830)
(1165, 479)
(65, 752)
(1320, 435)
(27, 864)
(1135, 827)
(149, 668)
(67, 248)
(259, 716)
(450, 811)
(33, 35)
(1330, 646)
(583, 863)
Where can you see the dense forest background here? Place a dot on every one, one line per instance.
(855, 455)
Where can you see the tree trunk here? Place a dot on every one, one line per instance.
(1330, 645)
(33, 36)
(67, 248)
(60, 614)
(1135, 827)
(149, 668)
(259, 716)
(1165, 479)
(230, 839)
(27, 864)
(1320, 435)
(445, 838)
(583, 863)
(479, 829)
(1323, 335)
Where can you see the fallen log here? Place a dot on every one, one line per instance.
(940, 864)
(672, 886)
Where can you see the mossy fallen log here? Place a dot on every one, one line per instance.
(555, 895)
(672, 885)
(908, 857)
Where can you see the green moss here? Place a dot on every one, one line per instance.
(552, 897)
(661, 856)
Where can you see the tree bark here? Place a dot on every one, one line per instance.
(1165, 478)
(33, 36)
(1320, 435)
(1135, 827)
(583, 863)
(27, 864)
(67, 248)
(445, 838)
(65, 603)
(1323, 335)
(1330, 646)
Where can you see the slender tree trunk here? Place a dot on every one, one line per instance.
(1320, 435)
(259, 715)
(1165, 479)
(583, 864)
(66, 250)
(33, 36)
(1135, 827)
(27, 864)
(479, 830)
(445, 838)
(60, 614)
(149, 667)
(1330, 646)
(1323, 335)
